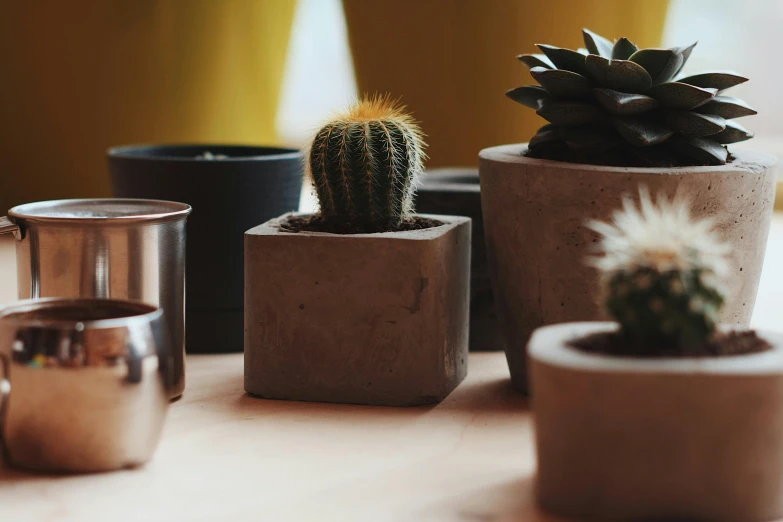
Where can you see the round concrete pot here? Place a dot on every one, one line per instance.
(456, 191)
(534, 216)
(376, 319)
(625, 438)
(229, 195)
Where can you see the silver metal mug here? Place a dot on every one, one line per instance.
(106, 248)
(85, 384)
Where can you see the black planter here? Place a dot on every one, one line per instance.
(229, 196)
(455, 191)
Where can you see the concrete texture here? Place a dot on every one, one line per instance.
(376, 319)
(534, 215)
(624, 438)
(456, 191)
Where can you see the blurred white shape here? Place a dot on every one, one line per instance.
(741, 36)
(319, 74)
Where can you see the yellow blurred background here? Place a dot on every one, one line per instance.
(82, 75)
(77, 77)
(451, 61)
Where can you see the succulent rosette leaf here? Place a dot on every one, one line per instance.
(616, 104)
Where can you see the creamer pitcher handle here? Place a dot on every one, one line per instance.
(6, 225)
(5, 391)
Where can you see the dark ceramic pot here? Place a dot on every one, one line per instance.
(242, 187)
(455, 192)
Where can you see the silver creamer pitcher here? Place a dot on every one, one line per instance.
(106, 248)
(85, 383)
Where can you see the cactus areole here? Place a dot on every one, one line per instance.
(364, 164)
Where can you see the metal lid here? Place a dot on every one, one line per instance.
(100, 211)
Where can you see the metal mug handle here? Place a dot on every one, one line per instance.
(5, 392)
(6, 225)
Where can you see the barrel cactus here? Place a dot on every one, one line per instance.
(364, 164)
(663, 275)
(616, 104)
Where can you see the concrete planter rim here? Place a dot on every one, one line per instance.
(549, 346)
(742, 157)
(423, 234)
(159, 152)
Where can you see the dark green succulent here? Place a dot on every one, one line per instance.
(616, 104)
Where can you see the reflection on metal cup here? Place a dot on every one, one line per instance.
(87, 383)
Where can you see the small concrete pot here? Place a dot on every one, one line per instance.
(456, 191)
(626, 438)
(376, 319)
(534, 216)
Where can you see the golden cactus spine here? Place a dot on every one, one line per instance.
(364, 164)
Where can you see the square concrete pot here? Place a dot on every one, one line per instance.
(367, 318)
(624, 438)
(456, 191)
(534, 216)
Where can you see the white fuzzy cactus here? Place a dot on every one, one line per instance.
(664, 273)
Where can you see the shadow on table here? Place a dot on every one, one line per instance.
(18, 476)
(485, 396)
(494, 395)
(253, 406)
(511, 501)
(9, 474)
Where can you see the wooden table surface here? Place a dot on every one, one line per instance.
(225, 456)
